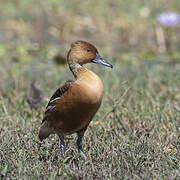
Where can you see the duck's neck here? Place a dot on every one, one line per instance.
(75, 68)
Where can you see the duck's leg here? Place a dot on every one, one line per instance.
(79, 143)
(62, 144)
(80, 138)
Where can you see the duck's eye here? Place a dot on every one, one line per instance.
(88, 50)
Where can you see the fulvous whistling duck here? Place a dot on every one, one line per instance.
(35, 97)
(73, 105)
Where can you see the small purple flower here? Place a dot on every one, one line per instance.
(168, 19)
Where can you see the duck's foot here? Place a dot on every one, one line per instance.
(62, 146)
(79, 144)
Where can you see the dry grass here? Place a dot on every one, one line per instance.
(135, 135)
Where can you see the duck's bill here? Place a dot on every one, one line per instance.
(100, 60)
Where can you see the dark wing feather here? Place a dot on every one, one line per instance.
(58, 93)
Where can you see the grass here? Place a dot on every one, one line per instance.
(135, 134)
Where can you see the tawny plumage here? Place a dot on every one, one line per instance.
(73, 105)
(35, 97)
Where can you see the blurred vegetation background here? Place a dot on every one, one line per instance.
(120, 28)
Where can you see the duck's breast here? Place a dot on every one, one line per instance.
(90, 88)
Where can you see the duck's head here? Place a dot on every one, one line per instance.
(82, 52)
